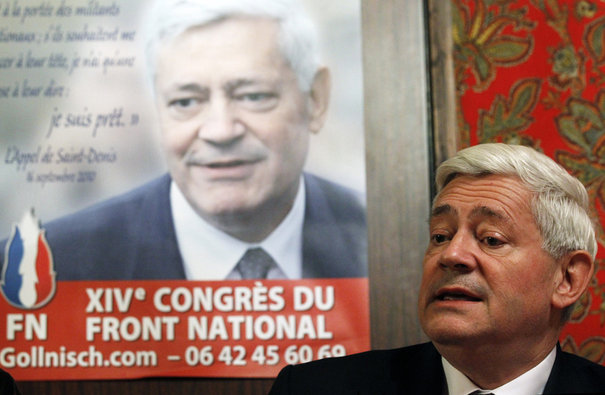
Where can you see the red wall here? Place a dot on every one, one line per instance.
(532, 72)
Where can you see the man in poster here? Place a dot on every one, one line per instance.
(239, 90)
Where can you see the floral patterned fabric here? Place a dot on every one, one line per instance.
(532, 72)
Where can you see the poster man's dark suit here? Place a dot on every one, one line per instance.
(416, 370)
(132, 236)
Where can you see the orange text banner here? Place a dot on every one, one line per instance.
(119, 330)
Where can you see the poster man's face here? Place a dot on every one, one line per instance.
(235, 125)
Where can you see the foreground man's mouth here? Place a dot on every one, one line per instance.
(458, 297)
(450, 294)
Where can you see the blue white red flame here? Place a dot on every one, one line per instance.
(28, 278)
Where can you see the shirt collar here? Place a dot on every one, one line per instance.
(531, 382)
(211, 254)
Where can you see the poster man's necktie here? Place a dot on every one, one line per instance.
(255, 264)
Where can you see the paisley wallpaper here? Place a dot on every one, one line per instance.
(532, 72)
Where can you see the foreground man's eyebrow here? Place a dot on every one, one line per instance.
(443, 209)
(484, 211)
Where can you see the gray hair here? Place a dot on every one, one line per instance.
(297, 38)
(560, 205)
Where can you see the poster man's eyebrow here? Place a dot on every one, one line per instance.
(231, 85)
(191, 87)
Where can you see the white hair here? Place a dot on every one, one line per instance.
(560, 205)
(297, 33)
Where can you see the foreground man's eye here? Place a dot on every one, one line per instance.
(492, 241)
(439, 238)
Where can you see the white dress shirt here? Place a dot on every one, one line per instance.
(531, 382)
(211, 254)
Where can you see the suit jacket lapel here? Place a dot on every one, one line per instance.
(571, 374)
(159, 255)
(419, 371)
(329, 248)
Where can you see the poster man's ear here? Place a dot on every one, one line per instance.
(319, 98)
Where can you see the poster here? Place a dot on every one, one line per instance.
(78, 126)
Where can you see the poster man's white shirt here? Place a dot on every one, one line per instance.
(209, 254)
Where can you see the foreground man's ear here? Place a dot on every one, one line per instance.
(319, 99)
(576, 271)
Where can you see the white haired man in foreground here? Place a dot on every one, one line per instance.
(512, 248)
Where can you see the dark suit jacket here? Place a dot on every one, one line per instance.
(132, 236)
(415, 370)
(7, 384)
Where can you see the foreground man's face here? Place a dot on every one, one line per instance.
(234, 121)
(486, 277)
